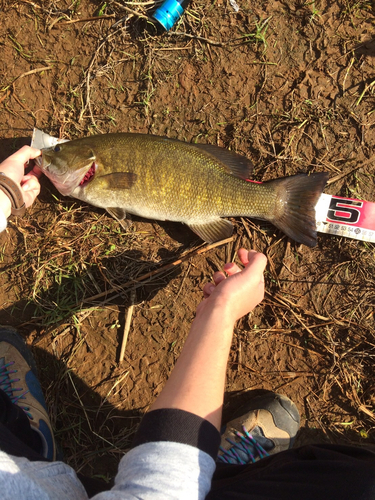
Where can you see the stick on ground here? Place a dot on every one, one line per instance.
(128, 320)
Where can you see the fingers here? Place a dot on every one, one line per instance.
(210, 287)
(30, 189)
(231, 268)
(237, 290)
(252, 258)
(14, 165)
(253, 261)
(25, 154)
(36, 171)
(248, 258)
(218, 277)
(243, 255)
(14, 168)
(34, 153)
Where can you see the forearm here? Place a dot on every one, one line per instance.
(5, 205)
(185, 419)
(197, 382)
(4, 210)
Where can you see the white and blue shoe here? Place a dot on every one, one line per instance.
(18, 379)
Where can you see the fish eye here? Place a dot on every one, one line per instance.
(56, 148)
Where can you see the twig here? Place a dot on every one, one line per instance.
(87, 19)
(4, 96)
(32, 3)
(133, 12)
(302, 348)
(127, 325)
(368, 87)
(299, 319)
(286, 302)
(183, 281)
(200, 38)
(82, 316)
(88, 76)
(332, 283)
(79, 399)
(347, 73)
(162, 269)
(31, 72)
(136, 281)
(344, 174)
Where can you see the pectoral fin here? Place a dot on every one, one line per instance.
(118, 180)
(117, 213)
(120, 215)
(214, 230)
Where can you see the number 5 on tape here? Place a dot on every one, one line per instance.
(346, 217)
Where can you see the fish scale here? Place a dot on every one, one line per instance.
(166, 179)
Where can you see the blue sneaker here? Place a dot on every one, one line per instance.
(268, 425)
(18, 379)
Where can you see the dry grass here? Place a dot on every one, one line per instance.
(71, 266)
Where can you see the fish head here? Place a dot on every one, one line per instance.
(68, 165)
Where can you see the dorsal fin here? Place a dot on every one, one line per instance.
(237, 165)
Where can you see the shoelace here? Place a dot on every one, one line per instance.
(242, 452)
(6, 385)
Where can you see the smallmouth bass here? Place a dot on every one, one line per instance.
(167, 179)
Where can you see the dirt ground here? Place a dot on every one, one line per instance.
(290, 85)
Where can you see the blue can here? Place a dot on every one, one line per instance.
(169, 12)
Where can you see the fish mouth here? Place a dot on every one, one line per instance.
(67, 182)
(89, 175)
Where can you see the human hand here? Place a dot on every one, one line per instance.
(14, 168)
(237, 291)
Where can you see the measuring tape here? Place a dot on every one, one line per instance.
(346, 217)
(333, 214)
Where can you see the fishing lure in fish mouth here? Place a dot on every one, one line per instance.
(166, 179)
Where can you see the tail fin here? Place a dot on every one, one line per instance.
(300, 194)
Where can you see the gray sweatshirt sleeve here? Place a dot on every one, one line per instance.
(162, 470)
(173, 458)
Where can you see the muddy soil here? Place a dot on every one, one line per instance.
(288, 85)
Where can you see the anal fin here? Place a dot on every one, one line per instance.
(213, 230)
